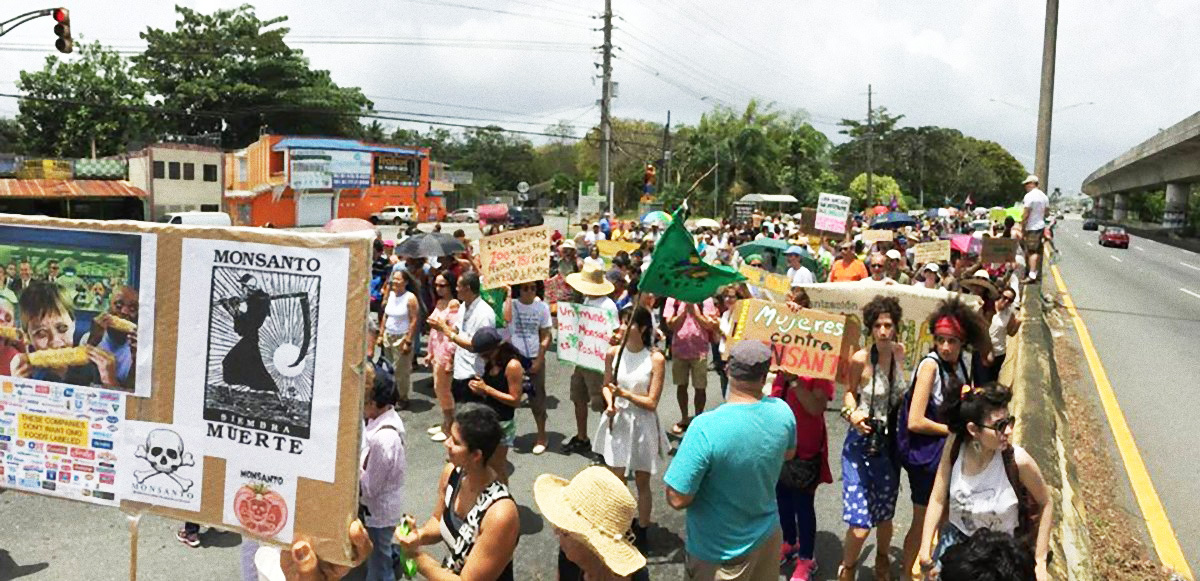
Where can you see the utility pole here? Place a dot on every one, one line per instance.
(1046, 102)
(605, 98)
(870, 138)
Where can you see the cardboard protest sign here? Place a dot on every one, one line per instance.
(805, 342)
(998, 250)
(583, 334)
(557, 289)
(610, 248)
(776, 283)
(916, 303)
(808, 220)
(832, 212)
(231, 383)
(937, 251)
(870, 237)
(514, 257)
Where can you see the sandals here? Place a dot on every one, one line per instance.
(680, 427)
(845, 573)
(883, 567)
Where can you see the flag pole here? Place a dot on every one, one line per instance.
(621, 349)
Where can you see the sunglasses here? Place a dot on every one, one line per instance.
(876, 266)
(1002, 425)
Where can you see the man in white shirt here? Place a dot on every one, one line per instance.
(1033, 225)
(473, 315)
(878, 268)
(797, 273)
(382, 466)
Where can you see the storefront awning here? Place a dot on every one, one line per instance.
(17, 188)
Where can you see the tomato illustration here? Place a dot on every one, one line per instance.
(261, 510)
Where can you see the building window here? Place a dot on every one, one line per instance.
(160, 170)
(189, 171)
(210, 207)
(210, 172)
(243, 170)
(173, 170)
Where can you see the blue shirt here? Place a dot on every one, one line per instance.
(730, 460)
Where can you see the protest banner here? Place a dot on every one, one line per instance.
(870, 237)
(998, 250)
(610, 248)
(805, 342)
(514, 257)
(226, 393)
(997, 215)
(916, 303)
(776, 283)
(832, 212)
(937, 251)
(583, 334)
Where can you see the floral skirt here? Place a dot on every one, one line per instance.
(870, 485)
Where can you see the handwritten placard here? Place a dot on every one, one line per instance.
(832, 211)
(872, 236)
(997, 214)
(776, 283)
(583, 334)
(610, 248)
(514, 257)
(805, 342)
(937, 251)
(998, 250)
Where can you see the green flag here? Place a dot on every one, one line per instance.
(676, 269)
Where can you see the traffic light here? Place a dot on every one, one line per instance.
(62, 30)
(649, 178)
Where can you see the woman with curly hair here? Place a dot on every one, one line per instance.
(959, 333)
(870, 476)
(982, 479)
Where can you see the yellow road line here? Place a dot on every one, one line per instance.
(1153, 512)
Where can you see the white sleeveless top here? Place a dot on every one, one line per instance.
(985, 500)
(396, 314)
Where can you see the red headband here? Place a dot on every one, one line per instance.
(949, 326)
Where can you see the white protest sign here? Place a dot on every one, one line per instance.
(832, 211)
(163, 464)
(583, 334)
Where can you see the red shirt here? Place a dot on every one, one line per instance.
(811, 438)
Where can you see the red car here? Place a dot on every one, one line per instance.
(1114, 236)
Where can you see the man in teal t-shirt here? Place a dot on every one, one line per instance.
(725, 472)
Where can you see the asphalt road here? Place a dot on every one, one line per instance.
(1141, 306)
(50, 539)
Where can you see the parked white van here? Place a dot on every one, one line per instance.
(197, 218)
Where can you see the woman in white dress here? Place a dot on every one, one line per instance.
(630, 437)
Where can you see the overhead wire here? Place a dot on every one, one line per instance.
(498, 11)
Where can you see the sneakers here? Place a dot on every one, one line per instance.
(433, 430)
(440, 436)
(575, 445)
(190, 539)
(786, 552)
(805, 568)
(539, 449)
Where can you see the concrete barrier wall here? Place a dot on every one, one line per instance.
(1043, 430)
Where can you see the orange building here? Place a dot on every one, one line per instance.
(307, 181)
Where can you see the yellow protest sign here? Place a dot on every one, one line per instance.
(776, 283)
(870, 237)
(806, 342)
(53, 430)
(938, 251)
(610, 248)
(514, 257)
(997, 215)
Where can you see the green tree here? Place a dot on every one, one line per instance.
(232, 72)
(70, 103)
(10, 134)
(884, 188)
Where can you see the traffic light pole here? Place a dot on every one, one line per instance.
(8, 25)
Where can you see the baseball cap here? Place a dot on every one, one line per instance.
(794, 250)
(933, 266)
(485, 340)
(1030, 179)
(894, 254)
(749, 361)
(568, 243)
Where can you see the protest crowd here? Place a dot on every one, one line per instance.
(744, 461)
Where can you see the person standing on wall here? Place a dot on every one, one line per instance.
(1033, 225)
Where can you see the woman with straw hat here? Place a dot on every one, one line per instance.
(591, 514)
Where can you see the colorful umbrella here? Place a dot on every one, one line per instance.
(347, 225)
(658, 216)
(878, 210)
(893, 220)
(966, 243)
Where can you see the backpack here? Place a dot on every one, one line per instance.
(1029, 512)
(922, 451)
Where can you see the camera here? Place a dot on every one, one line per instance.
(877, 440)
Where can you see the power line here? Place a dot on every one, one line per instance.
(497, 11)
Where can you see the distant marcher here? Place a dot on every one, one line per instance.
(401, 313)
(587, 384)
(724, 475)
(692, 327)
(382, 468)
(529, 323)
(499, 388)
(441, 351)
(847, 266)
(1033, 225)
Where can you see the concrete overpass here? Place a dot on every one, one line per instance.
(1170, 159)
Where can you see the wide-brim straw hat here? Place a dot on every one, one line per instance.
(981, 280)
(590, 281)
(596, 507)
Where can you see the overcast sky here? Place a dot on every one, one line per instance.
(1125, 69)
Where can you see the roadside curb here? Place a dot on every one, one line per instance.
(1043, 429)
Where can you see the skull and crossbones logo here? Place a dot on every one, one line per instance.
(164, 452)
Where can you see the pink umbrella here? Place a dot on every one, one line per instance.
(347, 225)
(879, 210)
(966, 243)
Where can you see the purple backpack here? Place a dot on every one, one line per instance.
(922, 451)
